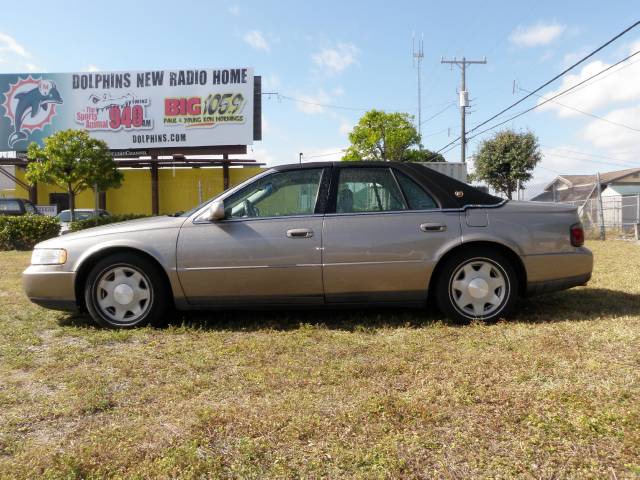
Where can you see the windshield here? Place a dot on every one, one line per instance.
(79, 215)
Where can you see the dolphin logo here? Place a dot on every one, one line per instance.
(29, 103)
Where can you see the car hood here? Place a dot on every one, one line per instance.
(141, 224)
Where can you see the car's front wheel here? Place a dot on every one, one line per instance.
(124, 291)
(477, 284)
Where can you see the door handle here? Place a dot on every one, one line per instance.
(300, 233)
(433, 227)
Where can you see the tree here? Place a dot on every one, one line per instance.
(382, 136)
(74, 161)
(422, 155)
(506, 159)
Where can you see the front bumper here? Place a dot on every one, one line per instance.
(550, 273)
(50, 287)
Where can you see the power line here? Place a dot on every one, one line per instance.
(343, 107)
(318, 104)
(589, 114)
(628, 165)
(327, 154)
(566, 70)
(436, 133)
(451, 104)
(590, 154)
(605, 76)
(551, 98)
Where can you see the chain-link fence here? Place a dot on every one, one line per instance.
(620, 215)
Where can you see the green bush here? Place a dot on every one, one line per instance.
(98, 221)
(23, 232)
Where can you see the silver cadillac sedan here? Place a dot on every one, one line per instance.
(319, 234)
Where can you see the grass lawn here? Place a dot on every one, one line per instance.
(553, 393)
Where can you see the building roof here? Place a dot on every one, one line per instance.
(574, 194)
(605, 178)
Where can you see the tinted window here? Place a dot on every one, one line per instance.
(417, 198)
(29, 207)
(9, 206)
(276, 195)
(368, 190)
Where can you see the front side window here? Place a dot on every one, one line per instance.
(368, 190)
(277, 195)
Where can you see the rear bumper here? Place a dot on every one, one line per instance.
(50, 287)
(536, 288)
(550, 273)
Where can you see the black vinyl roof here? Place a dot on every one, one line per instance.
(450, 193)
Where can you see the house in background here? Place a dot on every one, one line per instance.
(576, 188)
(620, 195)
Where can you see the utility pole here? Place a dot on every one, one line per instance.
(418, 55)
(464, 100)
(600, 209)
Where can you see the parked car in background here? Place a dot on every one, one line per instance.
(64, 217)
(16, 207)
(320, 234)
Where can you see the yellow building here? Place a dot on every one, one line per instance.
(178, 188)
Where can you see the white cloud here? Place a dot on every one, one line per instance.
(234, 10)
(614, 137)
(256, 39)
(91, 68)
(31, 67)
(617, 85)
(335, 60)
(9, 44)
(537, 34)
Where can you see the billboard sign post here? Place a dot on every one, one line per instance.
(130, 110)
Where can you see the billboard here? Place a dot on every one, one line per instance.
(130, 110)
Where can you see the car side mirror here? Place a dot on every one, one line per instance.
(216, 211)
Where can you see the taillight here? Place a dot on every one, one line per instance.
(577, 235)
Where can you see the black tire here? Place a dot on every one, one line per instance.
(151, 283)
(451, 300)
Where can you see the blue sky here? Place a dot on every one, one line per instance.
(357, 55)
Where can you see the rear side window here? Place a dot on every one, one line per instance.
(417, 198)
(368, 190)
(29, 207)
(9, 206)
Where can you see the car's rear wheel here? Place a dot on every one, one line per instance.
(125, 291)
(477, 284)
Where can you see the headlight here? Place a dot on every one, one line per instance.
(48, 256)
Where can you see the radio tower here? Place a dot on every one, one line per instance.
(418, 55)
